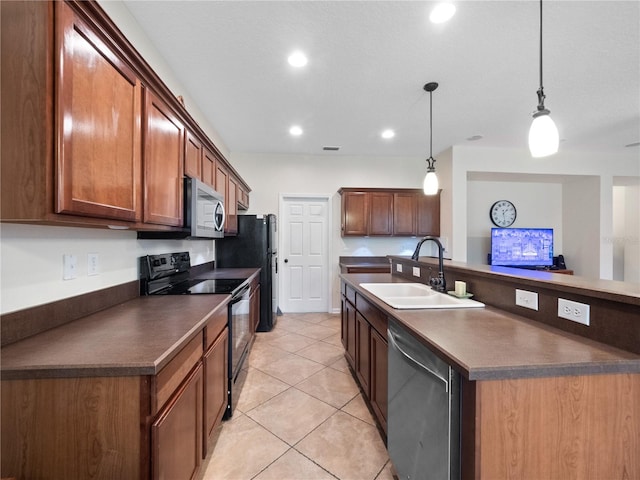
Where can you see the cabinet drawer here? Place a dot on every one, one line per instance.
(350, 293)
(170, 377)
(215, 326)
(375, 317)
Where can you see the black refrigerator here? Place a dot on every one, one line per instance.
(255, 245)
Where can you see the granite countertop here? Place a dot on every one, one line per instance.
(137, 337)
(490, 344)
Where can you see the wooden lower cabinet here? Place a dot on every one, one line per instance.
(122, 427)
(216, 363)
(379, 377)
(363, 335)
(176, 435)
(363, 353)
(348, 332)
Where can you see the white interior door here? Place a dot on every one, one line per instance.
(304, 253)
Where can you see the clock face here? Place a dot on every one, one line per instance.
(503, 213)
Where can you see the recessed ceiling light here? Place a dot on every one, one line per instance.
(295, 130)
(297, 59)
(442, 12)
(388, 134)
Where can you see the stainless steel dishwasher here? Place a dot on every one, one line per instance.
(423, 435)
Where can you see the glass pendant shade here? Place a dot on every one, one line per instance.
(543, 136)
(430, 185)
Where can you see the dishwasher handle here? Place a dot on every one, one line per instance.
(394, 342)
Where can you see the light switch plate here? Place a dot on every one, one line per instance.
(416, 271)
(69, 266)
(399, 267)
(527, 299)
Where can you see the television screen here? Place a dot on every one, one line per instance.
(522, 247)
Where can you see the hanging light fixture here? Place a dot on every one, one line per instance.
(430, 184)
(543, 134)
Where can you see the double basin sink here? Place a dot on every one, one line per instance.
(417, 296)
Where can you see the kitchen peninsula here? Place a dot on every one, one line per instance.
(540, 397)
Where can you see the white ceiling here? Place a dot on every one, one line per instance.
(368, 62)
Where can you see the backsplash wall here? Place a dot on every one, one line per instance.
(31, 261)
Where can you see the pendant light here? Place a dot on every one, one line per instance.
(430, 185)
(543, 134)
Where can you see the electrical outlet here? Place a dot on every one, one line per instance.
(416, 271)
(93, 265)
(527, 299)
(399, 267)
(69, 266)
(574, 311)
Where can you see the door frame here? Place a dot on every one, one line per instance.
(282, 198)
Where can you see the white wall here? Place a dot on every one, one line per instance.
(626, 233)
(537, 206)
(272, 175)
(31, 261)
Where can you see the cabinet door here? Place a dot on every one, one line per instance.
(349, 331)
(209, 168)
(380, 213)
(405, 206)
(363, 350)
(216, 363)
(176, 435)
(379, 377)
(429, 215)
(355, 213)
(98, 109)
(192, 156)
(232, 207)
(163, 163)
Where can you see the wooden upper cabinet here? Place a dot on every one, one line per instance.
(428, 219)
(355, 213)
(193, 151)
(405, 206)
(380, 213)
(231, 206)
(389, 212)
(98, 109)
(163, 163)
(209, 168)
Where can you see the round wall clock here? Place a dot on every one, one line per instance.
(503, 213)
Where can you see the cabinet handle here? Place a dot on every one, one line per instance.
(393, 340)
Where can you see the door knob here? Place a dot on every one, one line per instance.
(286, 260)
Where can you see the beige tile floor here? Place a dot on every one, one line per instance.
(300, 415)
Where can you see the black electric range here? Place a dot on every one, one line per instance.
(170, 274)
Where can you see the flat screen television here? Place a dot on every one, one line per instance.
(522, 247)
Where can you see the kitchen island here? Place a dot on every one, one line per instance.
(536, 401)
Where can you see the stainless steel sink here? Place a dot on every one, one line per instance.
(416, 295)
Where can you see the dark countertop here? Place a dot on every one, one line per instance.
(138, 337)
(364, 261)
(490, 344)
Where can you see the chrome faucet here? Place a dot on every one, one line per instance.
(439, 284)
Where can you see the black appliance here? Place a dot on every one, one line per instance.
(170, 274)
(255, 245)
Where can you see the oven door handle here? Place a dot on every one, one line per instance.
(237, 297)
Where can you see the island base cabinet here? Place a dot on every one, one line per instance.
(573, 427)
(176, 435)
(80, 428)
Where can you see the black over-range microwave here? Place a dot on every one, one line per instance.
(204, 214)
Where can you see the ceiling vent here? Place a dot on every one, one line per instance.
(330, 148)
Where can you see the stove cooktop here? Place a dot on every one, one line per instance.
(169, 274)
(205, 286)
